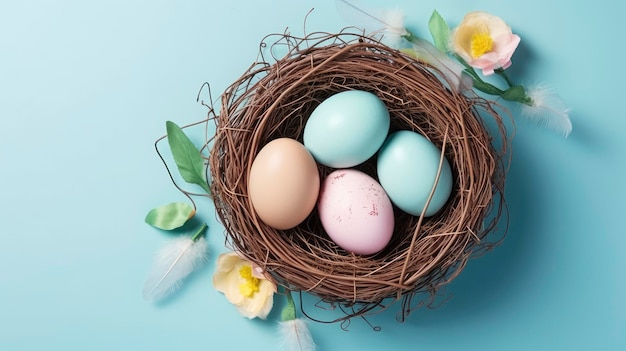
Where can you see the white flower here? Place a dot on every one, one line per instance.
(240, 282)
(484, 41)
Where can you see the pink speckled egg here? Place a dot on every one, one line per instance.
(355, 211)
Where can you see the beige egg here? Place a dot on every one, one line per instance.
(284, 183)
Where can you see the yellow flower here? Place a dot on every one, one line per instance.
(243, 286)
(484, 41)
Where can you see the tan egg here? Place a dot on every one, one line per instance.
(284, 183)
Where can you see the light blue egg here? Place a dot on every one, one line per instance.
(407, 167)
(347, 128)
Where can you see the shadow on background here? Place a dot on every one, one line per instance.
(496, 280)
(487, 285)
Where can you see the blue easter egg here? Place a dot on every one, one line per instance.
(347, 128)
(407, 167)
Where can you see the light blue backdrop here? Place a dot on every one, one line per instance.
(86, 87)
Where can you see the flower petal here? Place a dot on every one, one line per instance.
(504, 42)
(261, 303)
(227, 279)
(505, 46)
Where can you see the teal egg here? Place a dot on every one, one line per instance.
(407, 167)
(346, 129)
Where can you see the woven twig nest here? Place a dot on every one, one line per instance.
(273, 100)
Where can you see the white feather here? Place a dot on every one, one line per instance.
(172, 264)
(375, 21)
(547, 110)
(452, 70)
(296, 336)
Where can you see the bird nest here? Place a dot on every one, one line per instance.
(274, 100)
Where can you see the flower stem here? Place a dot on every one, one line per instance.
(500, 71)
(517, 93)
(200, 232)
(409, 36)
(487, 88)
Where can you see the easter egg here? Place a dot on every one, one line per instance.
(283, 183)
(407, 166)
(355, 211)
(346, 129)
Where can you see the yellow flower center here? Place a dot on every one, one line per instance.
(250, 284)
(481, 44)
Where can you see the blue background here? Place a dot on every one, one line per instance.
(86, 88)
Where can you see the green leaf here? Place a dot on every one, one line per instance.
(170, 216)
(409, 52)
(200, 232)
(439, 30)
(187, 157)
(487, 88)
(515, 93)
(289, 311)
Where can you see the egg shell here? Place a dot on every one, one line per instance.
(407, 165)
(355, 211)
(283, 183)
(347, 128)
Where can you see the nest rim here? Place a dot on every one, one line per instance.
(272, 100)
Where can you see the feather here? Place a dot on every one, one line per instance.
(374, 21)
(296, 335)
(451, 70)
(548, 110)
(173, 263)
